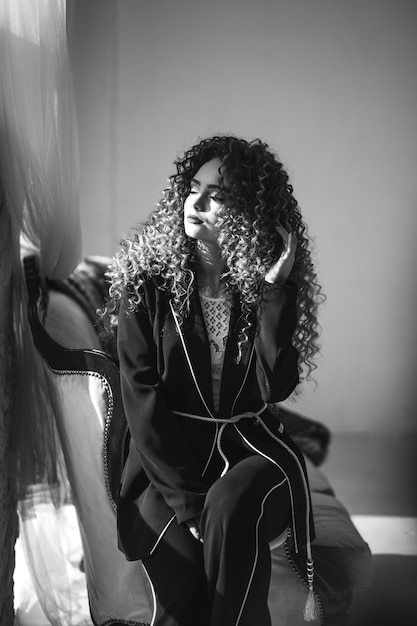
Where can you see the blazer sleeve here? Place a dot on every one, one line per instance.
(166, 457)
(277, 358)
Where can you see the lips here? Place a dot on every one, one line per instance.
(193, 219)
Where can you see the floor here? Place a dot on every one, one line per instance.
(375, 477)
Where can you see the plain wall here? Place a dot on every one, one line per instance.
(331, 86)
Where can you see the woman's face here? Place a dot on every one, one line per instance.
(202, 203)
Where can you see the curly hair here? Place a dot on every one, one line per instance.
(256, 196)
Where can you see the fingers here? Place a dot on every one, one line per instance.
(292, 242)
(284, 232)
(284, 229)
(283, 223)
(194, 529)
(289, 238)
(281, 269)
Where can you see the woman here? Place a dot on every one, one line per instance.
(215, 300)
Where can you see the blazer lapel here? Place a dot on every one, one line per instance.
(234, 373)
(197, 351)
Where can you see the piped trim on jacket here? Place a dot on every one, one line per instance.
(234, 419)
(162, 534)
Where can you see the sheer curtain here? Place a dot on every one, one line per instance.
(39, 166)
(39, 145)
(39, 180)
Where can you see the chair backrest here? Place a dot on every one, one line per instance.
(92, 428)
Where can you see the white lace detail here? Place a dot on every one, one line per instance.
(216, 313)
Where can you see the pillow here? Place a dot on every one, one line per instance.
(317, 479)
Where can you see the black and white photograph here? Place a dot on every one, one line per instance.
(208, 407)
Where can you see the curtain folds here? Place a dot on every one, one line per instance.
(39, 144)
(39, 174)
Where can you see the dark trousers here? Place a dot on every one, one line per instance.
(225, 580)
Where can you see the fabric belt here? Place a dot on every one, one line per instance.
(233, 419)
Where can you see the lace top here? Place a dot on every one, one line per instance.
(216, 311)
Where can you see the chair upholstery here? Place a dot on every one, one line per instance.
(90, 421)
(87, 398)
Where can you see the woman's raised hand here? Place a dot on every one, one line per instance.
(280, 270)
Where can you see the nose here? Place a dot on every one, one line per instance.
(198, 203)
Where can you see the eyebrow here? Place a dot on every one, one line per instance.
(194, 180)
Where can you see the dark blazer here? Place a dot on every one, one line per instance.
(172, 459)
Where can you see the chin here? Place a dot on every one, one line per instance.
(192, 230)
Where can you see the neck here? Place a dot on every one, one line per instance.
(210, 266)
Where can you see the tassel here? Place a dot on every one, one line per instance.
(310, 613)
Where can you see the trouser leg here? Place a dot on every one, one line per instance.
(178, 581)
(225, 581)
(244, 511)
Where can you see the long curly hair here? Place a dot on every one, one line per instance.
(255, 199)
